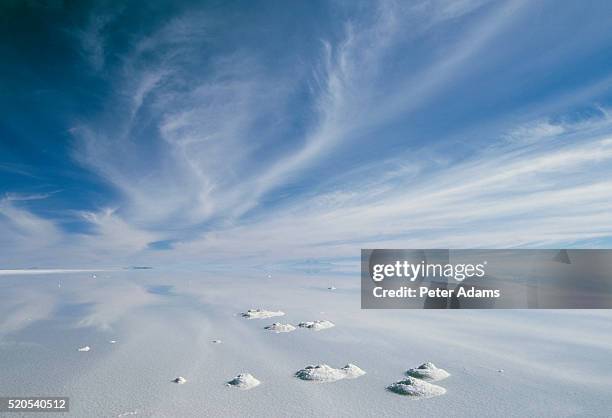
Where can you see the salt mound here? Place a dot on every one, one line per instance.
(180, 380)
(244, 381)
(86, 348)
(324, 373)
(278, 327)
(428, 371)
(260, 314)
(316, 325)
(411, 386)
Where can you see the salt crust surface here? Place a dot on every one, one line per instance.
(317, 325)
(277, 327)
(260, 314)
(323, 373)
(179, 380)
(417, 388)
(428, 371)
(244, 381)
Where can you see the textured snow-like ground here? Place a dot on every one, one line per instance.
(556, 363)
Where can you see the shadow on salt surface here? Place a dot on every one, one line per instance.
(162, 290)
(73, 310)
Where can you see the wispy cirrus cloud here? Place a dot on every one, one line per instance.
(203, 158)
(41, 242)
(517, 196)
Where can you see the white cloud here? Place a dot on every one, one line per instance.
(208, 163)
(29, 240)
(516, 197)
(93, 41)
(23, 231)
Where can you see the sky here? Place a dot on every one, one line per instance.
(274, 134)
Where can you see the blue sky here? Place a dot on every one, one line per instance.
(268, 133)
